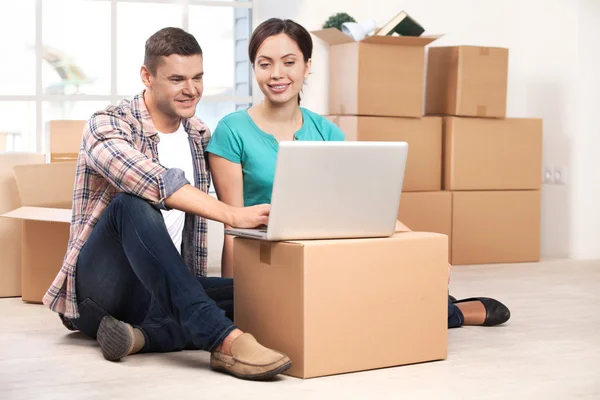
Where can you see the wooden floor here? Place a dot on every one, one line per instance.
(550, 349)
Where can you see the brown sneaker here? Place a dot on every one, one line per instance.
(250, 360)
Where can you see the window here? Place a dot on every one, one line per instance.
(17, 70)
(69, 58)
(135, 23)
(75, 47)
(17, 125)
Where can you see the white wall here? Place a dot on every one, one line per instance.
(552, 75)
(586, 157)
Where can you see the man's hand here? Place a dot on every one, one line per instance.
(250, 217)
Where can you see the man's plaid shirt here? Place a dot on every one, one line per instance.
(119, 154)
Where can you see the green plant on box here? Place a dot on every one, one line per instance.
(336, 21)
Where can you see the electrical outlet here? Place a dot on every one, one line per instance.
(548, 175)
(560, 175)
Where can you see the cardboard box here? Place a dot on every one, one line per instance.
(424, 138)
(11, 230)
(492, 154)
(46, 192)
(467, 81)
(495, 227)
(63, 138)
(337, 306)
(483, 227)
(380, 75)
(427, 212)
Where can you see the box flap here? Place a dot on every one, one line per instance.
(9, 194)
(333, 36)
(403, 40)
(40, 214)
(46, 185)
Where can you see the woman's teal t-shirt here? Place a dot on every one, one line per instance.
(238, 139)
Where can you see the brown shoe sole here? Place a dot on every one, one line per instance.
(257, 377)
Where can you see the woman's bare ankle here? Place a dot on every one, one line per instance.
(474, 312)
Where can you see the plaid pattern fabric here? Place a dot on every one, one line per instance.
(119, 154)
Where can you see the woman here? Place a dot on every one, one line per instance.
(243, 148)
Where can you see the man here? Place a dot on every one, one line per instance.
(134, 273)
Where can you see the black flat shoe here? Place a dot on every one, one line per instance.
(496, 313)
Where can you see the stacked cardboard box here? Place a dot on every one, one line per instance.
(376, 93)
(36, 193)
(63, 138)
(286, 293)
(491, 164)
(472, 173)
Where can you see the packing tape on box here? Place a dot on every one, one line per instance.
(481, 111)
(265, 253)
(63, 157)
(484, 51)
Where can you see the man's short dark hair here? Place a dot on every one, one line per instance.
(169, 41)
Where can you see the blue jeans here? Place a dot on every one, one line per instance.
(455, 316)
(129, 268)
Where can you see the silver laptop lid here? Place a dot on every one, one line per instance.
(336, 189)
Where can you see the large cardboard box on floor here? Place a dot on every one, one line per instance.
(495, 227)
(380, 75)
(492, 154)
(337, 306)
(63, 139)
(424, 138)
(10, 229)
(427, 212)
(45, 192)
(467, 81)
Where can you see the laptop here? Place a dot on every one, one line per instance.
(334, 190)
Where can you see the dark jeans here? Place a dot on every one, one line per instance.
(455, 316)
(130, 269)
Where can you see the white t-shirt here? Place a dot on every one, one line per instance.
(174, 152)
